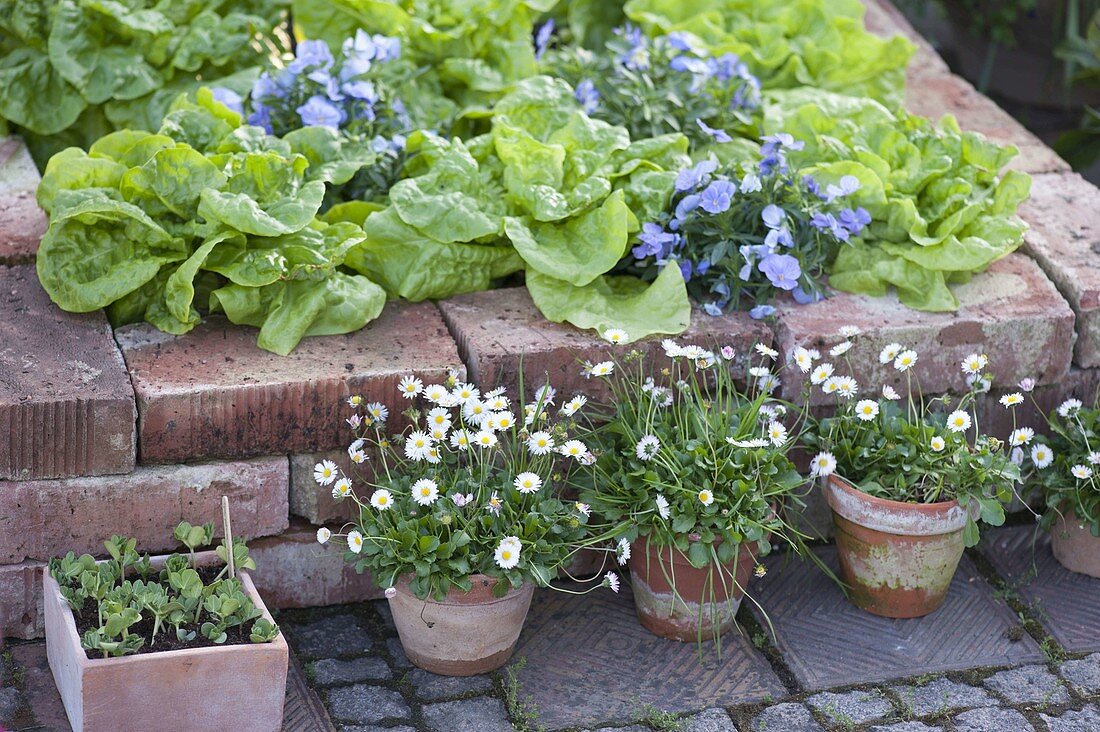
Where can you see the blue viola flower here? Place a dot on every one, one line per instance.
(681, 41)
(847, 185)
(387, 48)
(655, 242)
(717, 196)
(854, 221)
(686, 205)
(725, 66)
(265, 88)
(780, 141)
(229, 98)
(311, 55)
(691, 178)
(261, 117)
(360, 47)
(761, 311)
(401, 113)
(588, 95)
(805, 298)
(702, 267)
(773, 216)
(685, 269)
(636, 57)
(718, 135)
(782, 270)
(379, 144)
(362, 90)
(353, 68)
(750, 183)
(328, 84)
(713, 308)
(542, 37)
(721, 289)
(319, 112)
(812, 185)
(779, 237)
(826, 221)
(750, 252)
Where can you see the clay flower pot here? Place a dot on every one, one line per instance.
(238, 687)
(896, 558)
(466, 633)
(703, 603)
(1074, 546)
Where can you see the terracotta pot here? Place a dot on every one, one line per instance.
(896, 558)
(703, 603)
(467, 633)
(1074, 546)
(239, 687)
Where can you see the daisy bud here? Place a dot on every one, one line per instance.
(391, 592)
(1026, 385)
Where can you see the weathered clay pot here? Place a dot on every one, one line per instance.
(467, 633)
(703, 603)
(1074, 546)
(896, 558)
(239, 687)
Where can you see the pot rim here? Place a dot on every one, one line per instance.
(892, 517)
(480, 593)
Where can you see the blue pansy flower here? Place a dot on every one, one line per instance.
(782, 270)
(805, 298)
(229, 98)
(751, 183)
(588, 95)
(773, 216)
(328, 84)
(261, 117)
(685, 269)
(681, 41)
(826, 221)
(713, 308)
(319, 112)
(812, 185)
(655, 242)
(702, 267)
(387, 48)
(265, 88)
(360, 47)
(542, 37)
(779, 237)
(686, 205)
(637, 56)
(717, 196)
(362, 89)
(761, 311)
(691, 178)
(847, 185)
(311, 54)
(718, 135)
(854, 221)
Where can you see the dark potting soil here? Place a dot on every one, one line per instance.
(87, 619)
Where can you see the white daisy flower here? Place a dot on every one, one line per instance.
(622, 551)
(438, 433)
(937, 444)
(540, 443)
(603, 368)
(323, 535)
(765, 351)
(503, 421)
(460, 439)
(507, 553)
(750, 444)
(1069, 407)
(768, 383)
(647, 448)
(1094, 458)
(850, 331)
(355, 400)
(758, 372)
(840, 349)
(867, 409)
(465, 393)
(905, 360)
(358, 456)
(1016, 456)
(974, 363)
(433, 455)
(1011, 400)
(545, 394)
(475, 411)
(425, 491)
(958, 421)
(829, 386)
(355, 542)
(820, 373)
(889, 353)
(823, 464)
(615, 335)
(435, 392)
(494, 505)
(802, 358)
(1042, 456)
(381, 499)
(1081, 472)
(777, 433)
(496, 402)
(378, 411)
(439, 417)
(706, 497)
(662, 506)
(693, 352)
(611, 580)
(574, 405)
(574, 449)
(417, 445)
(889, 392)
(981, 383)
(846, 386)
(672, 350)
(342, 489)
(583, 508)
(484, 438)
(410, 386)
(1021, 436)
(527, 482)
(325, 472)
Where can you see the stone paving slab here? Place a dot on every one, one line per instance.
(214, 393)
(586, 661)
(1064, 215)
(22, 222)
(1012, 313)
(1066, 603)
(40, 518)
(499, 330)
(828, 642)
(66, 404)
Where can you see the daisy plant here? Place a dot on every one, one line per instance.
(470, 486)
(692, 461)
(904, 447)
(1066, 466)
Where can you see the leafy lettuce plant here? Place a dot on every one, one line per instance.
(655, 86)
(742, 233)
(789, 43)
(206, 215)
(941, 207)
(74, 70)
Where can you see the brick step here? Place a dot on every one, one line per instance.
(66, 404)
(22, 222)
(214, 394)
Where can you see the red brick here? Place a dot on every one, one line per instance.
(22, 222)
(1012, 313)
(42, 519)
(314, 502)
(21, 601)
(213, 393)
(66, 404)
(500, 329)
(934, 95)
(293, 570)
(883, 19)
(1064, 215)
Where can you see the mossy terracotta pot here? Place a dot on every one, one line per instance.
(1074, 546)
(466, 633)
(678, 601)
(897, 559)
(238, 687)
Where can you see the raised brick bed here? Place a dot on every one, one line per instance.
(22, 222)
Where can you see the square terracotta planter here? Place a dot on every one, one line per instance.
(239, 687)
